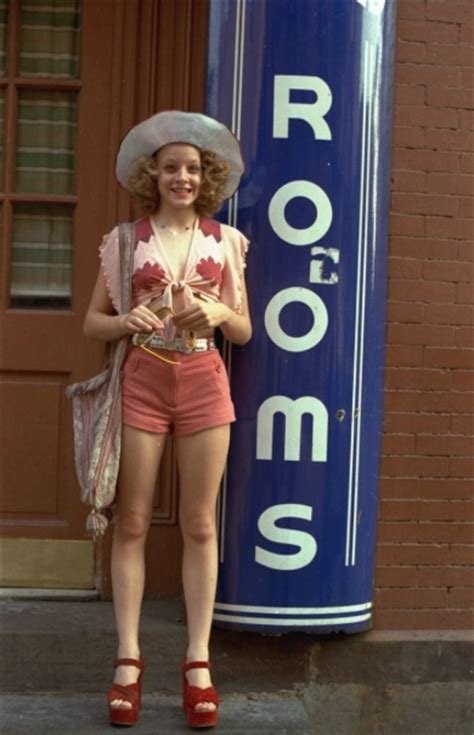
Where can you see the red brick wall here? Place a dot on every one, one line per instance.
(424, 576)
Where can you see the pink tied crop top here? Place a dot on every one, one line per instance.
(213, 269)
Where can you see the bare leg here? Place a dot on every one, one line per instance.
(140, 459)
(201, 461)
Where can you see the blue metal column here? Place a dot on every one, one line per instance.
(307, 86)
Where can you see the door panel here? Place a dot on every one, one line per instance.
(57, 122)
(31, 445)
(61, 122)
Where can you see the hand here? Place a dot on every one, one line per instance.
(201, 316)
(140, 319)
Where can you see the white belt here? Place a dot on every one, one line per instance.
(176, 345)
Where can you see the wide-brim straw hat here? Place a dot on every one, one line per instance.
(174, 126)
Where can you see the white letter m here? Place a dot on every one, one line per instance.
(293, 411)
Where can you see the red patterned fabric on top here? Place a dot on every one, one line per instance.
(147, 278)
(210, 271)
(211, 227)
(213, 269)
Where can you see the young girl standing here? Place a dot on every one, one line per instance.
(188, 279)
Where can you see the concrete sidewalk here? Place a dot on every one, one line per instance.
(57, 665)
(86, 714)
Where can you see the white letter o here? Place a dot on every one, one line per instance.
(272, 319)
(294, 235)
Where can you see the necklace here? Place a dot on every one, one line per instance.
(176, 232)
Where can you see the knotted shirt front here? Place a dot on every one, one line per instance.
(213, 270)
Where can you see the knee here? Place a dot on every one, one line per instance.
(198, 529)
(132, 526)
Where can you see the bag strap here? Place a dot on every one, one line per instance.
(126, 243)
(115, 349)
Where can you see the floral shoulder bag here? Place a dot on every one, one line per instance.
(97, 412)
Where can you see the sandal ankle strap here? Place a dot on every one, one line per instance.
(196, 665)
(139, 663)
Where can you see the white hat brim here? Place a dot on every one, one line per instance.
(174, 126)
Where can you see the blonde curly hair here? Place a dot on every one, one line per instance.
(214, 174)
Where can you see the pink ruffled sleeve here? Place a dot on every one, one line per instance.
(109, 252)
(236, 247)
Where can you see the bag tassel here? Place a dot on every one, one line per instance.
(98, 521)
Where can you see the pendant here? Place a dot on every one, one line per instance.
(175, 232)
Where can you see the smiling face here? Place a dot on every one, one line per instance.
(179, 176)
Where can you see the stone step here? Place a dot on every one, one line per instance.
(161, 714)
(373, 683)
(71, 646)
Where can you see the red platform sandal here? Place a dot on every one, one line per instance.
(130, 693)
(195, 695)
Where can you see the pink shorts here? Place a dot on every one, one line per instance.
(176, 399)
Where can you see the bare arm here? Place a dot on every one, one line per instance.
(101, 322)
(237, 328)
